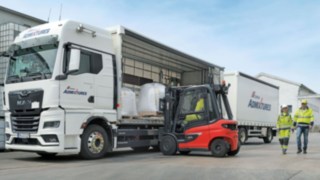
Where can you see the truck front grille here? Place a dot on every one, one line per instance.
(25, 123)
(25, 141)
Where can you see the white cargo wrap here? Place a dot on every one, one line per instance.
(128, 102)
(149, 97)
(254, 103)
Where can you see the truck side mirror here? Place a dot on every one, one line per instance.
(74, 62)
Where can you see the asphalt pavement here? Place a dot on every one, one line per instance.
(256, 160)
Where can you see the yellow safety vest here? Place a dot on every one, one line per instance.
(304, 116)
(284, 121)
(199, 107)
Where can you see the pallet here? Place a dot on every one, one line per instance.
(130, 117)
(150, 114)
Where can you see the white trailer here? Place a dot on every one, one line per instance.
(62, 90)
(255, 105)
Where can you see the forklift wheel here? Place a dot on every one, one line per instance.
(219, 148)
(168, 145)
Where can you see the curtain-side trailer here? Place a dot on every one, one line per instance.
(255, 105)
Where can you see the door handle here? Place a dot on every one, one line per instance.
(91, 99)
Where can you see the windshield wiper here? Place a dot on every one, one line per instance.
(13, 78)
(36, 75)
(42, 75)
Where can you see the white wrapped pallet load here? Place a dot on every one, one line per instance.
(129, 106)
(149, 98)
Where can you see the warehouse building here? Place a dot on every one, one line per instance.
(291, 93)
(11, 24)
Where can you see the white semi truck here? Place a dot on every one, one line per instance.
(62, 90)
(255, 105)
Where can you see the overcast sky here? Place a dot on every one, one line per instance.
(279, 37)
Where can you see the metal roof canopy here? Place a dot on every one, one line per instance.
(161, 55)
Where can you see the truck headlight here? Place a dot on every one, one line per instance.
(7, 124)
(51, 124)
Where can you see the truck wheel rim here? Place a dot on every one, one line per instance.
(242, 136)
(269, 135)
(95, 142)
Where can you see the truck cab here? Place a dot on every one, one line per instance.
(194, 121)
(60, 76)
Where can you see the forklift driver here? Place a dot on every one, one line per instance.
(199, 107)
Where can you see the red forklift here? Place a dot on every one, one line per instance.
(194, 120)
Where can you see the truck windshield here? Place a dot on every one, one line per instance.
(30, 64)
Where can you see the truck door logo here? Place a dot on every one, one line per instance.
(256, 102)
(74, 91)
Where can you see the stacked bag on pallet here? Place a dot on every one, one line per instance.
(149, 98)
(129, 106)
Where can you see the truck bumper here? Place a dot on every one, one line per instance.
(46, 139)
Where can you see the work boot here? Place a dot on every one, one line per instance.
(304, 151)
(283, 151)
(299, 151)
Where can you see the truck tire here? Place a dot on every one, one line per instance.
(243, 135)
(269, 137)
(140, 149)
(219, 148)
(235, 152)
(47, 155)
(168, 145)
(94, 142)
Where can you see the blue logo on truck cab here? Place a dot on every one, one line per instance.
(36, 32)
(74, 91)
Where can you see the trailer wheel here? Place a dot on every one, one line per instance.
(168, 145)
(219, 148)
(243, 136)
(47, 155)
(94, 142)
(269, 137)
(235, 152)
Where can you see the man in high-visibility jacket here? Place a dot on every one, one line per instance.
(303, 121)
(284, 125)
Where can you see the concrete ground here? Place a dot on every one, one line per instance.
(256, 160)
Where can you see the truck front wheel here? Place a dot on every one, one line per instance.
(94, 142)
